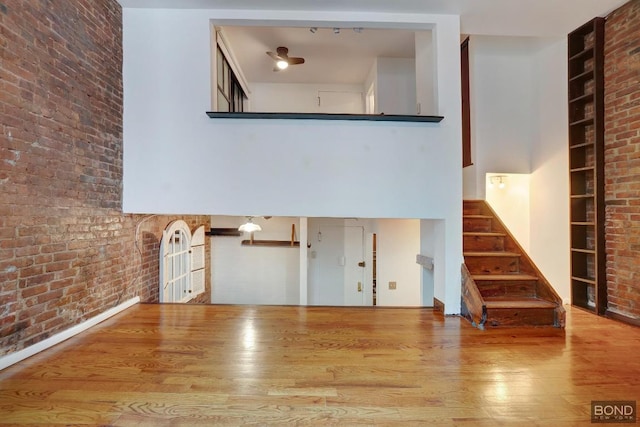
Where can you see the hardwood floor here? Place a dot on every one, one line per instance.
(236, 365)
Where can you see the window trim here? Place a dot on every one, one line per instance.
(228, 87)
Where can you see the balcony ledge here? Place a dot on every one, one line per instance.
(321, 116)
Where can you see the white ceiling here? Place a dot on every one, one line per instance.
(348, 56)
(491, 17)
(345, 58)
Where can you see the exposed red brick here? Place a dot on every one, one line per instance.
(622, 170)
(67, 252)
(34, 290)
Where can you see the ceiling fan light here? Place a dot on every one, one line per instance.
(282, 64)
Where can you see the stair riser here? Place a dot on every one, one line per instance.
(483, 243)
(471, 210)
(501, 317)
(492, 265)
(476, 224)
(506, 288)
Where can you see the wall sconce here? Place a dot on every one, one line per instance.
(500, 180)
(336, 31)
(249, 226)
(313, 30)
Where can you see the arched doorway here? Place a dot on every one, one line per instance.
(181, 263)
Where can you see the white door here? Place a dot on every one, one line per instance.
(335, 275)
(354, 268)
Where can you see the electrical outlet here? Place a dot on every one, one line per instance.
(392, 285)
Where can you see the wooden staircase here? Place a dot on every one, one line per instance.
(501, 287)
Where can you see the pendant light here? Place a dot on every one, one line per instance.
(249, 226)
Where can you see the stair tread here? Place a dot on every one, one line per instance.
(482, 233)
(498, 277)
(478, 216)
(507, 302)
(493, 254)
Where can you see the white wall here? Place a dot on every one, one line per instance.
(293, 98)
(503, 122)
(426, 95)
(432, 246)
(398, 242)
(396, 86)
(254, 275)
(512, 204)
(270, 275)
(176, 160)
(519, 125)
(371, 82)
(550, 160)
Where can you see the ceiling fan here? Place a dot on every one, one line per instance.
(283, 60)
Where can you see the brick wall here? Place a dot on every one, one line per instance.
(622, 159)
(67, 252)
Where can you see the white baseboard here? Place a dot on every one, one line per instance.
(18, 356)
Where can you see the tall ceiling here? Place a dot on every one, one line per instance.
(490, 17)
(347, 57)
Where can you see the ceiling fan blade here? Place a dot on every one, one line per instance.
(296, 61)
(276, 57)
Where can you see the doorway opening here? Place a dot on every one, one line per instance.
(182, 263)
(337, 263)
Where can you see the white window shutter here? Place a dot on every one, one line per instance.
(175, 263)
(197, 262)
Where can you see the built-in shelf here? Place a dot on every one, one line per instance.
(581, 196)
(584, 54)
(224, 232)
(321, 116)
(582, 169)
(581, 145)
(585, 75)
(586, 166)
(272, 243)
(584, 280)
(587, 97)
(586, 121)
(584, 251)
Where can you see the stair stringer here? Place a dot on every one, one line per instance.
(473, 307)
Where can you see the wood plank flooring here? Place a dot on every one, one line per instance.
(179, 365)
